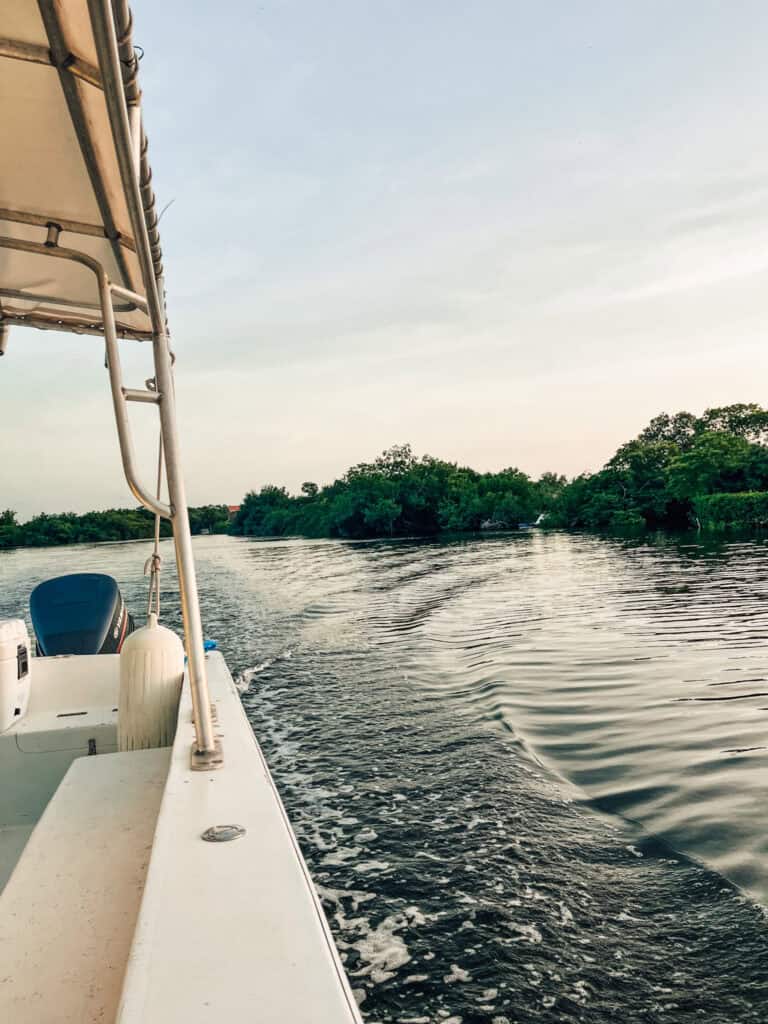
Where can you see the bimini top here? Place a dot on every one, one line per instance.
(73, 168)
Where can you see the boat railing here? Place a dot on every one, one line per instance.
(207, 751)
(122, 101)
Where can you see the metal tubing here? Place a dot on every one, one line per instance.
(134, 118)
(54, 233)
(60, 54)
(73, 325)
(137, 301)
(185, 560)
(75, 226)
(113, 361)
(118, 401)
(141, 395)
(35, 54)
(54, 301)
(103, 25)
(106, 48)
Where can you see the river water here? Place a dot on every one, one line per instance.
(528, 772)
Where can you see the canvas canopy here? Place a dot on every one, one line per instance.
(63, 178)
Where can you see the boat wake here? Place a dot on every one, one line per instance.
(463, 881)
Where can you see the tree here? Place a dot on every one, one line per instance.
(679, 429)
(675, 459)
(9, 529)
(382, 515)
(395, 461)
(640, 469)
(749, 421)
(549, 487)
(715, 462)
(213, 518)
(257, 511)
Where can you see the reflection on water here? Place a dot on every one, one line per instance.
(403, 693)
(639, 672)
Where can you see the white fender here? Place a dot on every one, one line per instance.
(151, 672)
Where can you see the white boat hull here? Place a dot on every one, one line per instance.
(118, 910)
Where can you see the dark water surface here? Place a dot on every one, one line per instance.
(403, 693)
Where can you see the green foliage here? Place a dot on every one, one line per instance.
(113, 524)
(659, 477)
(747, 421)
(549, 489)
(263, 513)
(9, 529)
(399, 495)
(211, 518)
(624, 521)
(747, 510)
(716, 461)
(652, 481)
(678, 430)
(680, 467)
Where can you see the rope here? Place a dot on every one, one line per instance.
(154, 563)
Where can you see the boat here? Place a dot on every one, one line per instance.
(149, 872)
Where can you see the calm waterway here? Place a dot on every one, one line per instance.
(528, 772)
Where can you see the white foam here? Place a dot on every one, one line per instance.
(527, 932)
(581, 992)
(365, 835)
(341, 855)
(383, 950)
(365, 866)
(566, 917)
(457, 974)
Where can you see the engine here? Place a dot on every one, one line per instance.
(79, 614)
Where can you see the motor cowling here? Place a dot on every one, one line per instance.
(83, 613)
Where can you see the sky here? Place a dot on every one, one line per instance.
(507, 233)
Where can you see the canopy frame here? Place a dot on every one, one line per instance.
(110, 22)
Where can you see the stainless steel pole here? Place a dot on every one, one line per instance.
(105, 39)
(119, 403)
(185, 560)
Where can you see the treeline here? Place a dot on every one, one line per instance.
(114, 524)
(667, 477)
(682, 471)
(399, 495)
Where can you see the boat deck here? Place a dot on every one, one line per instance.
(13, 839)
(78, 889)
(116, 909)
(72, 712)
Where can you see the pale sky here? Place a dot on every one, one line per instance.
(506, 232)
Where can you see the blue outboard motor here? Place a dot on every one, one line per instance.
(79, 614)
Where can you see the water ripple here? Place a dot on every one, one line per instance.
(417, 702)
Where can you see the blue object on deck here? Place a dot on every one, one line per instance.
(79, 614)
(209, 645)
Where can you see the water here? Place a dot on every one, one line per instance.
(504, 762)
